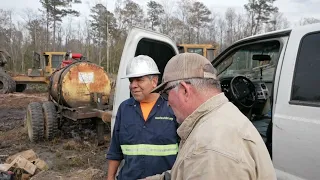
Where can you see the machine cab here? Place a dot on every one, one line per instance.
(207, 50)
(52, 61)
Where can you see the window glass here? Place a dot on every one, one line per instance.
(56, 60)
(306, 83)
(196, 50)
(242, 61)
(210, 54)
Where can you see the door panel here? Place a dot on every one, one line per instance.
(296, 125)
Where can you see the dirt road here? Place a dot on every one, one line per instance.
(72, 155)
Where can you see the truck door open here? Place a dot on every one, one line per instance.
(141, 42)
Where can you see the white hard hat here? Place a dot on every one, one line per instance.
(140, 66)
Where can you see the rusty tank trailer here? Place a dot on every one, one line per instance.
(78, 91)
(72, 85)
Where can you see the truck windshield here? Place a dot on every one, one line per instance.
(241, 61)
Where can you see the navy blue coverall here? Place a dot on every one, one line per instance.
(148, 147)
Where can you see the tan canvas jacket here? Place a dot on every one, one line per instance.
(218, 142)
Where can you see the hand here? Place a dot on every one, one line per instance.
(111, 178)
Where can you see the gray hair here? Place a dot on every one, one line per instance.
(201, 84)
(153, 76)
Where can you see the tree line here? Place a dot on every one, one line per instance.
(101, 36)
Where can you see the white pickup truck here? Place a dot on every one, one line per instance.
(281, 71)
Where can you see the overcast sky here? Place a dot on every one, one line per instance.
(294, 10)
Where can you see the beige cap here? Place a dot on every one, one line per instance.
(186, 66)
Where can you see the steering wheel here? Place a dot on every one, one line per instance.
(243, 91)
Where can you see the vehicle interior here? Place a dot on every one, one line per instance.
(246, 77)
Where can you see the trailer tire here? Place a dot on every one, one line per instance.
(7, 84)
(21, 87)
(100, 126)
(50, 120)
(35, 122)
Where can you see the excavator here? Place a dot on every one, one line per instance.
(42, 68)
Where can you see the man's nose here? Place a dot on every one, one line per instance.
(133, 84)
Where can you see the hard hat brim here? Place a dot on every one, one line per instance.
(159, 88)
(139, 75)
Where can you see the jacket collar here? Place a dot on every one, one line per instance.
(191, 121)
(133, 102)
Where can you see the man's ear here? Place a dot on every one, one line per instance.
(186, 90)
(154, 81)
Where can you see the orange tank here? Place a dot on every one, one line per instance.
(75, 83)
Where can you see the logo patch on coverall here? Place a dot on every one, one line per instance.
(164, 118)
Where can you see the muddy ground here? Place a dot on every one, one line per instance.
(73, 155)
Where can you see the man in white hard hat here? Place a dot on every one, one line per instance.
(145, 128)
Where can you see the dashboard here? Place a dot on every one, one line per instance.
(261, 89)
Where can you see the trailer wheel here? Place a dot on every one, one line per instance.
(21, 87)
(100, 126)
(35, 122)
(50, 120)
(7, 84)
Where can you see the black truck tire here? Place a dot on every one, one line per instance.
(50, 120)
(7, 84)
(35, 122)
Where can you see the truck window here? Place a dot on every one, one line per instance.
(196, 50)
(56, 60)
(46, 57)
(210, 54)
(241, 63)
(305, 86)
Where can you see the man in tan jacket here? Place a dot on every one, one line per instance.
(217, 141)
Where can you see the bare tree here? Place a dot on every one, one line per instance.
(230, 17)
(276, 22)
(309, 20)
(212, 29)
(184, 7)
(168, 6)
(221, 28)
(22, 46)
(34, 24)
